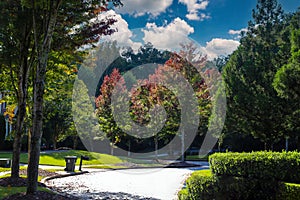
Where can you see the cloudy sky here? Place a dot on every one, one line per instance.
(213, 24)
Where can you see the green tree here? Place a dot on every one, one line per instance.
(104, 107)
(287, 80)
(47, 16)
(253, 104)
(30, 30)
(15, 54)
(84, 118)
(58, 97)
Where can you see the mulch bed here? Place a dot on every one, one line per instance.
(39, 195)
(42, 172)
(22, 182)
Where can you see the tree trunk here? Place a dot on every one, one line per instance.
(220, 142)
(112, 149)
(156, 146)
(38, 95)
(286, 144)
(91, 141)
(129, 148)
(34, 155)
(21, 96)
(54, 137)
(15, 167)
(75, 142)
(21, 93)
(54, 144)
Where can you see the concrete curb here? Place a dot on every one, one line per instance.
(62, 176)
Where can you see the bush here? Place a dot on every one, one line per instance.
(263, 165)
(237, 176)
(201, 185)
(289, 191)
(239, 188)
(183, 194)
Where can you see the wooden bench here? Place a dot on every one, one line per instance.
(5, 162)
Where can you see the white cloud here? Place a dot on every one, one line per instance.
(193, 7)
(195, 4)
(142, 7)
(169, 36)
(218, 46)
(123, 35)
(192, 16)
(196, 16)
(237, 32)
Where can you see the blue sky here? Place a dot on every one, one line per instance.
(213, 24)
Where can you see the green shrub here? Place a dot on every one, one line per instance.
(183, 194)
(239, 188)
(203, 187)
(246, 176)
(289, 191)
(260, 165)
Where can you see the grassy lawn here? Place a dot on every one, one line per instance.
(7, 191)
(23, 156)
(8, 169)
(196, 157)
(22, 176)
(97, 160)
(4, 169)
(57, 158)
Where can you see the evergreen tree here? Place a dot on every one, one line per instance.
(253, 104)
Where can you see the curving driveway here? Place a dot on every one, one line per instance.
(163, 183)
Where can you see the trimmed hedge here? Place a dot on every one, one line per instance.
(290, 191)
(201, 187)
(278, 166)
(237, 176)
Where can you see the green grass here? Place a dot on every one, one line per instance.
(8, 175)
(196, 157)
(7, 191)
(8, 169)
(22, 176)
(58, 158)
(23, 156)
(97, 160)
(4, 169)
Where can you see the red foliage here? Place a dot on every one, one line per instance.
(111, 82)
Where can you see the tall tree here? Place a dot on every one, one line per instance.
(252, 101)
(27, 35)
(104, 108)
(58, 96)
(47, 16)
(16, 55)
(287, 81)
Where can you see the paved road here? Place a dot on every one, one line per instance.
(152, 184)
